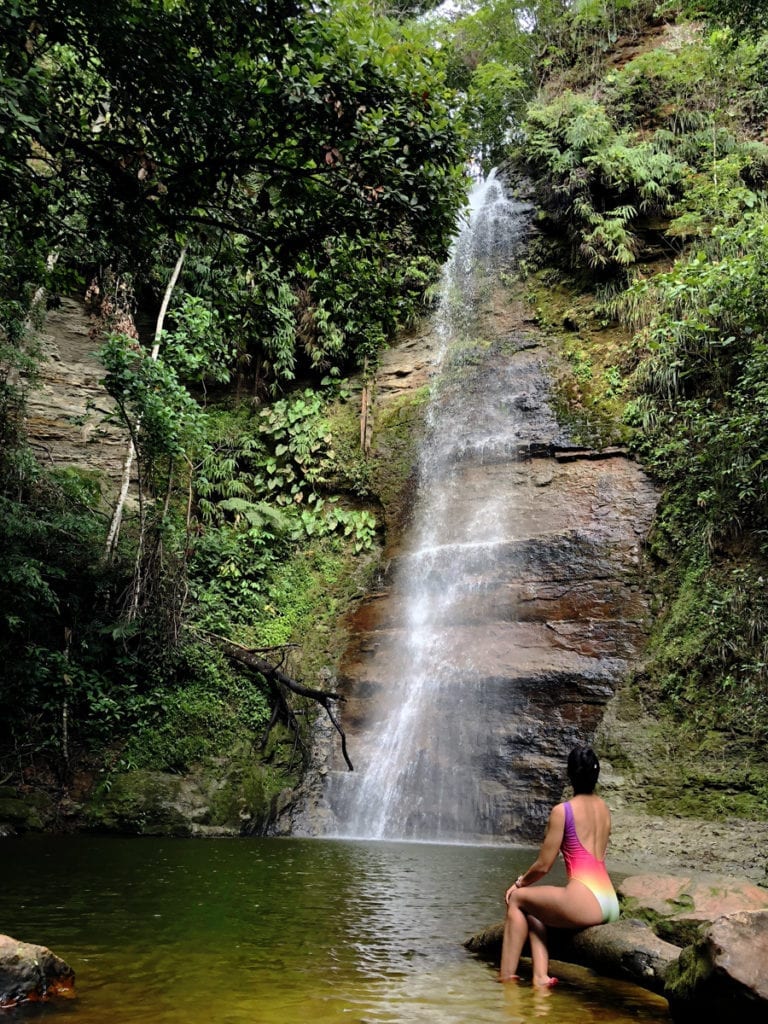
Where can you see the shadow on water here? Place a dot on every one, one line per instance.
(271, 931)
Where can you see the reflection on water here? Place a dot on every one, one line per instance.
(276, 931)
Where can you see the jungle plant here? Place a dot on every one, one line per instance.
(583, 33)
(594, 182)
(495, 101)
(742, 15)
(701, 386)
(261, 139)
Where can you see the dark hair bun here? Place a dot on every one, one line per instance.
(583, 769)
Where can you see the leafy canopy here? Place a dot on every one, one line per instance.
(279, 138)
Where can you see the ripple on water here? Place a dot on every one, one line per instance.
(282, 931)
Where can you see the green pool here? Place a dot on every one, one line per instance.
(276, 931)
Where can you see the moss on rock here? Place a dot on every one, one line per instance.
(139, 803)
(25, 812)
(398, 428)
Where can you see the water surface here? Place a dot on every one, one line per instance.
(276, 931)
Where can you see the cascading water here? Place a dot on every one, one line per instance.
(427, 740)
(511, 606)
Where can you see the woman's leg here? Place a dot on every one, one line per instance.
(537, 935)
(570, 906)
(515, 934)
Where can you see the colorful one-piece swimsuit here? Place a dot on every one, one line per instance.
(587, 869)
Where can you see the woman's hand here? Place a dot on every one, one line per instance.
(517, 884)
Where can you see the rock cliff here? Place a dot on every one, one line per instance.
(68, 410)
(549, 624)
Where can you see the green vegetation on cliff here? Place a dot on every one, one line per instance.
(644, 144)
(275, 187)
(302, 170)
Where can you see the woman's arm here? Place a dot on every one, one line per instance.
(548, 851)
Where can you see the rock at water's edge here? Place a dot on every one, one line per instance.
(678, 906)
(723, 975)
(31, 974)
(627, 949)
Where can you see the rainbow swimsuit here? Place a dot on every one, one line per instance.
(587, 869)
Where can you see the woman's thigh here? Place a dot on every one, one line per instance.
(569, 906)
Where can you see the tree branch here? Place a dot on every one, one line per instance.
(246, 656)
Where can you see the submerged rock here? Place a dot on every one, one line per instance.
(31, 974)
(723, 974)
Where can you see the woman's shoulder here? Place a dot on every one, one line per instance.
(590, 803)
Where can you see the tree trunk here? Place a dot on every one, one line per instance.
(265, 668)
(125, 483)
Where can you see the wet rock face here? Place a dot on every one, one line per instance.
(546, 619)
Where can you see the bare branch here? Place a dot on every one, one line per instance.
(249, 657)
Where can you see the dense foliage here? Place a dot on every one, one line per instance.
(299, 165)
(306, 152)
(651, 178)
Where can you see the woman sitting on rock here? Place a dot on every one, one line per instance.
(580, 829)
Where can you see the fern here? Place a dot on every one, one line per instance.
(257, 514)
(597, 181)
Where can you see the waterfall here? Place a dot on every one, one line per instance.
(510, 606)
(421, 779)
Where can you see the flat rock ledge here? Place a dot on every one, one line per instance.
(677, 906)
(31, 974)
(716, 970)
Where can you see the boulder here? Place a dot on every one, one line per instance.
(723, 975)
(678, 906)
(31, 974)
(24, 812)
(222, 799)
(626, 949)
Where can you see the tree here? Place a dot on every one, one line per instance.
(292, 138)
(741, 15)
(495, 61)
(305, 156)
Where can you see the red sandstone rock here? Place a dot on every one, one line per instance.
(31, 974)
(723, 976)
(679, 905)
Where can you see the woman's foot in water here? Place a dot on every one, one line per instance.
(545, 981)
(510, 977)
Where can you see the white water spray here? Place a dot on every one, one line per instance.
(424, 747)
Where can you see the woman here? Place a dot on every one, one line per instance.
(580, 828)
